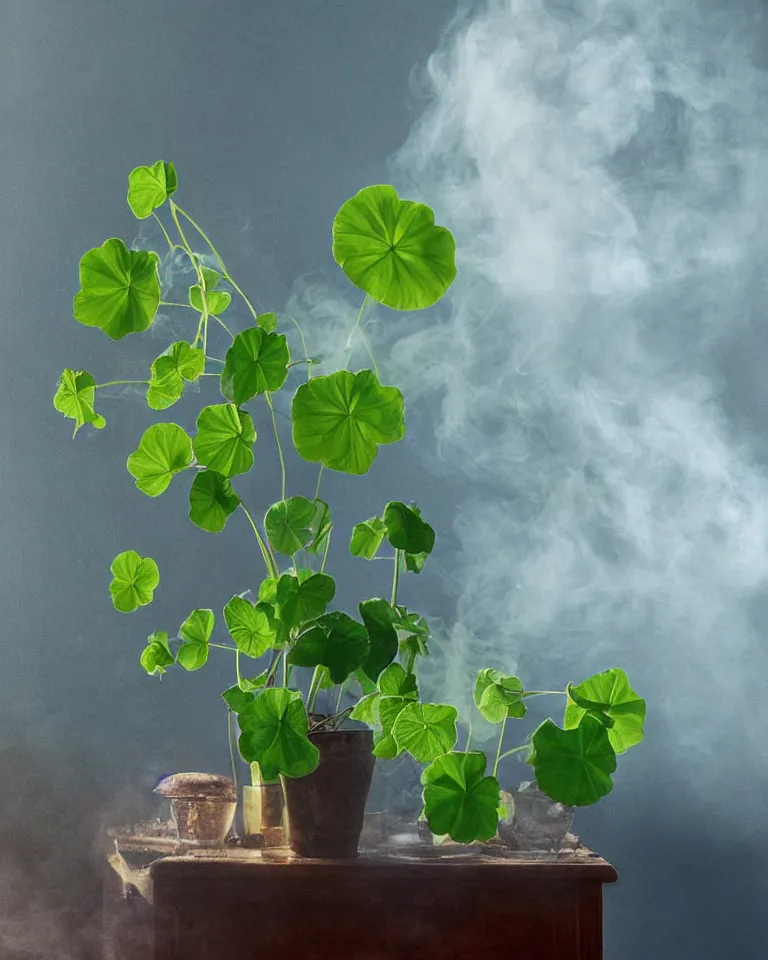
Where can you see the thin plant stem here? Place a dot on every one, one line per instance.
(303, 344)
(222, 324)
(171, 303)
(171, 245)
(295, 363)
(469, 737)
(338, 699)
(231, 739)
(216, 359)
(271, 568)
(314, 687)
(509, 753)
(279, 445)
(237, 669)
(352, 331)
(319, 480)
(543, 693)
(222, 646)
(200, 277)
(285, 671)
(396, 578)
(116, 383)
(273, 667)
(498, 749)
(325, 551)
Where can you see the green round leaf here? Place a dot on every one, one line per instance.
(425, 730)
(395, 682)
(378, 616)
(216, 300)
(195, 633)
(497, 696)
(337, 642)
(406, 530)
(75, 398)
(156, 656)
(251, 626)
(224, 439)
(391, 249)
(459, 800)
(211, 501)
(164, 450)
(150, 187)
(340, 419)
(611, 693)
(237, 699)
(256, 362)
(302, 600)
(573, 766)
(367, 709)
(134, 581)
(274, 735)
(178, 363)
(267, 321)
(289, 524)
(367, 537)
(119, 289)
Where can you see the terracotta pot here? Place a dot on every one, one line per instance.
(326, 808)
(203, 806)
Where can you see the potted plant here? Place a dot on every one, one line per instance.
(393, 251)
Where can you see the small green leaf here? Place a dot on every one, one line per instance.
(425, 730)
(573, 767)
(392, 249)
(415, 561)
(267, 321)
(237, 699)
(289, 524)
(497, 696)
(150, 187)
(195, 633)
(211, 501)
(302, 600)
(610, 692)
(156, 656)
(178, 363)
(225, 436)
(367, 537)
(406, 530)
(75, 398)
(217, 300)
(274, 735)
(459, 800)
(268, 590)
(377, 615)
(255, 683)
(339, 420)
(164, 450)
(134, 582)
(395, 682)
(256, 362)
(385, 746)
(336, 641)
(251, 626)
(119, 289)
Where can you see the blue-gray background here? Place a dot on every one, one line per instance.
(586, 410)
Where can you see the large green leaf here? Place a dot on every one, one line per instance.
(406, 530)
(425, 730)
(164, 450)
(336, 641)
(367, 537)
(256, 362)
(459, 800)
(180, 362)
(610, 692)
(497, 696)
(339, 420)
(75, 398)
(134, 581)
(274, 735)
(301, 600)
(392, 249)
(156, 656)
(251, 626)
(378, 615)
(211, 501)
(119, 289)
(573, 766)
(195, 633)
(224, 439)
(289, 524)
(150, 187)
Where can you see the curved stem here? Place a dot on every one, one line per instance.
(509, 753)
(338, 699)
(314, 687)
(116, 383)
(498, 749)
(396, 577)
(319, 479)
(222, 324)
(303, 344)
(216, 359)
(200, 277)
(352, 331)
(171, 303)
(222, 646)
(215, 252)
(277, 655)
(279, 445)
(271, 569)
(171, 245)
(325, 551)
(237, 669)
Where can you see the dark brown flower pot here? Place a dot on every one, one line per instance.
(326, 808)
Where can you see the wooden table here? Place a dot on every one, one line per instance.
(379, 907)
